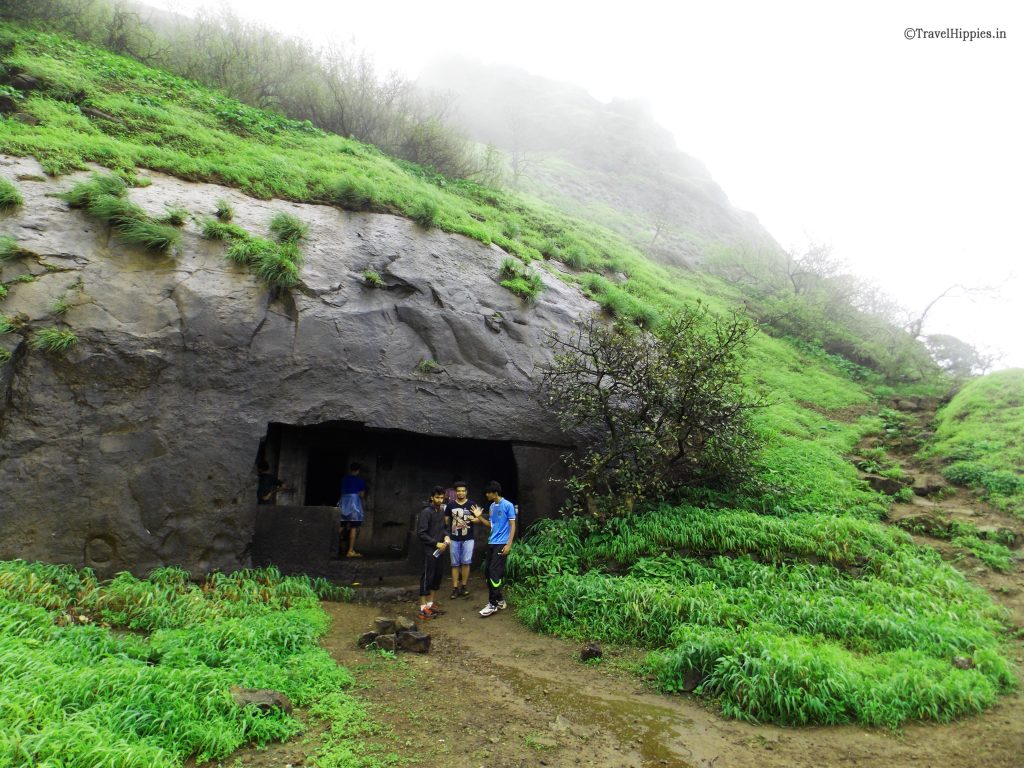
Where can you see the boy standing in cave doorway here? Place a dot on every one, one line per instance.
(353, 493)
(459, 525)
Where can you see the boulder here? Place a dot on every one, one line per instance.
(591, 651)
(691, 680)
(927, 485)
(887, 485)
(403, 624)
(386, 642)
(415, 642)
(263, 699)
(384, 625)
(366, 639)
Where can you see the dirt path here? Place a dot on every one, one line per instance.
(492, 693)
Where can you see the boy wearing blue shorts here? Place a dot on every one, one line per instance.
(458, 522)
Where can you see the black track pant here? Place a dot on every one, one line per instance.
(431, 578)
(495, 573)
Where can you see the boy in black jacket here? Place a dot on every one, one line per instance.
(430, 532)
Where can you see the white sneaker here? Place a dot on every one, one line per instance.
(488, 609)
(502, 605)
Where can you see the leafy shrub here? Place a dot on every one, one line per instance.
(10, 197)
(660, 410)
(53, 340)
(287, 228)
(428, 366)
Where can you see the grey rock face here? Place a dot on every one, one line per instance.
(136, 447)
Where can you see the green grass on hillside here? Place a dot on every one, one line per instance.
(979, 436)
(805, 619)
(165, 123)
(136, 673)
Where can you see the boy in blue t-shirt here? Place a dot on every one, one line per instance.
(502, 523)
(351, 513)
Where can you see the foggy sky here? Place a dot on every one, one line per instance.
(823, 120)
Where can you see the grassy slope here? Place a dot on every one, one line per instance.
(168, 124)
(980, 438)
(137, 674)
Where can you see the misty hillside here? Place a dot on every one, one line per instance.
(610, 162)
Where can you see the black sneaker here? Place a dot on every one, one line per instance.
(455, 593)
(463, 592)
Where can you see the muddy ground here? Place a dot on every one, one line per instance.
(492, 693)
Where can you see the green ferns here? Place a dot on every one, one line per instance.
(806, 619)
(105, 197)
(76, 692)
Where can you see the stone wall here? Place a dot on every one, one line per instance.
(136, 448)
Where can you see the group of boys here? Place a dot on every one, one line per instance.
(448, 526)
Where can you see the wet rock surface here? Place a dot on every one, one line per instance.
(136, 447)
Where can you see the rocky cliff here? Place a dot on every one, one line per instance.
(136, 446)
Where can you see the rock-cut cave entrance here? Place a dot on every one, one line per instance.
(400, 468)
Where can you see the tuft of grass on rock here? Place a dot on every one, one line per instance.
(520, 279)
(105, 197)
(223, 210)
(287, 228)
(220, 230)
(10, 197)
(61, 305)
(8, 248)
(176, 216)
(373, 279)
(425, 211)
(53, 340)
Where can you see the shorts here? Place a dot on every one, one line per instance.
(462, 552)
(351, 506)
